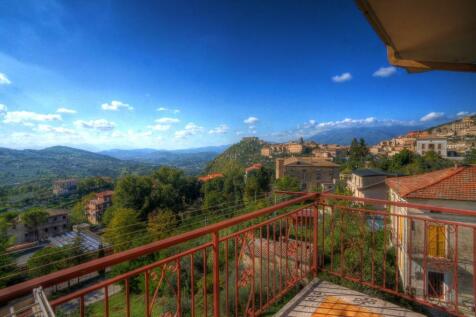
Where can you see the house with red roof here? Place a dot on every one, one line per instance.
(428, 244)
(210, 177)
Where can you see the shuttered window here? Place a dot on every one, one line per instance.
(436, 241)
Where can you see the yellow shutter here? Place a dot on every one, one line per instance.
(441, 241)
(436, 240)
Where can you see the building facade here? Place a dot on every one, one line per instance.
(96, 207)
(437, 145)
(56, 223)
(311, 173)
(427, 244)
(368, 183)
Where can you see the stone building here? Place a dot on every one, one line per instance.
(311, 173)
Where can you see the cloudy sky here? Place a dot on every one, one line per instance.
(179, 74)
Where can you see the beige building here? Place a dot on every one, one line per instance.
(424, 243)
(56, 224)
(311, 173)
(330, 152)
(368, 183)
(437, 145)
(96, 207)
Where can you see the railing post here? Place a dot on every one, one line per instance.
(216, 274)
(315, 238)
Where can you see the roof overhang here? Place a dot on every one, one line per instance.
(422, 35)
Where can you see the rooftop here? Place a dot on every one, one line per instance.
(308, 161)
(455, 183)
(368, 172)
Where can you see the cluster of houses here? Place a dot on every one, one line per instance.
(450, 140)
(308, 148)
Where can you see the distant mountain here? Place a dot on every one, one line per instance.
(20, 166)
(372, 135)
(193, 161)
(244, 153)
(140, 154)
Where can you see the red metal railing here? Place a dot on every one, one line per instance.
(249, 262)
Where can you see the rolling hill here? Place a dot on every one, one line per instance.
(193, 161)
(20, 166)
(244, 153)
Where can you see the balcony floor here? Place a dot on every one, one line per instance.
(321, 298)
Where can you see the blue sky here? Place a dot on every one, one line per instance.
(179, 74)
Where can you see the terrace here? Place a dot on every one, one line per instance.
(254, 263)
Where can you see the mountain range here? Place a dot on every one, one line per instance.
(372, 135)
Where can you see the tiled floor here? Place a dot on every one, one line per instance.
(321, 298)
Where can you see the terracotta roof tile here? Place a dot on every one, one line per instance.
(451, 184)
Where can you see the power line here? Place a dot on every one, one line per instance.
(95, 251)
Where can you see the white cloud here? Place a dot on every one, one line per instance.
(251, 120)
(4, 79)
(99, 124)
(3, 109)
(116, 105)
(50, 129)
(190, 129)
(385, 71)
(342, 78)
(66, 110)
(221, 129)
(28, 116)
(459, 114)
(167, 120)
(432, 116)
(164, 109)
(161, 127)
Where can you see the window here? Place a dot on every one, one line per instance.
(439, 146)
(436, 241)
(423, 146)
(435, 285)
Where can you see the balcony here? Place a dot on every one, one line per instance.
(254, 263)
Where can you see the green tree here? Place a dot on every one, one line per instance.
(6, 262)
(287, 183)
(160, 223)
(33, 219)
(257, 183)
(134, 192)
(470, 157)
(358, 154)
(47, 260)
(125, 231)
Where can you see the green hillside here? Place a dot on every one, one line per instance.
(244, 153)
(21, 166)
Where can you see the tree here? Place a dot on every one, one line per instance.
(6, 262)
(160, 223)
(78, 213)
(47, 260)
(257, 183)
(134, 192)
(470, 157)
(358, 153)
(33, 219)
(125, 231)
(287, 183)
